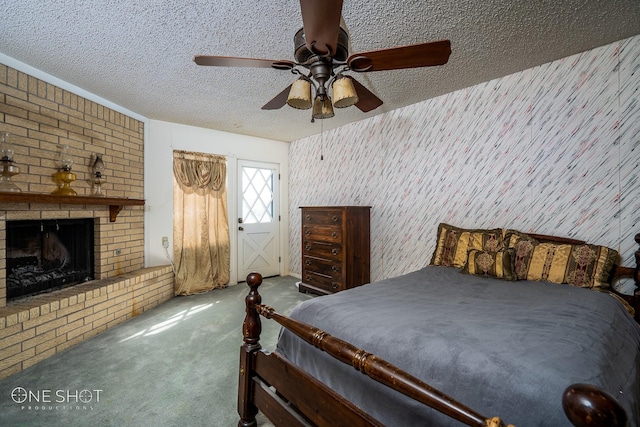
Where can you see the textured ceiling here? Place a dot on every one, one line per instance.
(139, 54)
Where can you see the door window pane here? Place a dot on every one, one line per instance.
(257, 195)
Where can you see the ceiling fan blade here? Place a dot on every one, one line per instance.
(321, 22)
(367, 101)
(395, 58)
(279, 100)
(230, 61)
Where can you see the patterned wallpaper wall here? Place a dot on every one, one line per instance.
(554, 149)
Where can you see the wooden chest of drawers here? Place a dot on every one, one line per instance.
(335, 248)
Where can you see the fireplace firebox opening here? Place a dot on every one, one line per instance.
(45, 255)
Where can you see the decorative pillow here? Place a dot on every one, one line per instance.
(523, 246)
(512, 237)
(497, 264)
(453, 243)
(586, 266)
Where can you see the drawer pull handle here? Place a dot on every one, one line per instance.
(334, 234)
(307, 217)
(308, 247)
(307, 232)
(308, 262)
(335, 218)
(335, 268)
(334, 285)
(335, 251)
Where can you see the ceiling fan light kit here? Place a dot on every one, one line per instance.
(322, 108)
(300, 94)
(322, 56)
(344, 93)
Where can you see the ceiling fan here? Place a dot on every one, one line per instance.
(322, 58)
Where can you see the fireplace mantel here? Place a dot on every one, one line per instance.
(115, 203)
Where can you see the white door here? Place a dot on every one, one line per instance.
(259, 218)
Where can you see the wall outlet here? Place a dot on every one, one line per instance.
(165, 242)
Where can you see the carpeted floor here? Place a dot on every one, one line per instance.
(175, 365)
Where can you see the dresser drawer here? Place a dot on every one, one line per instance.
(322, 217)
(321, 281)
(324, 233)
(323, 266)
(332, 251)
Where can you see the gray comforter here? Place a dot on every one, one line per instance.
(506, 349)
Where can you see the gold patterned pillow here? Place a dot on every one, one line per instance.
(523, 245)
(586, 266)
(497, 264)
(453, 244)
(512, 237)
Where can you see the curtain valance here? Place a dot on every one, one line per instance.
(200, 170)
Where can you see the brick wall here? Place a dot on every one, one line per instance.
(40, 118)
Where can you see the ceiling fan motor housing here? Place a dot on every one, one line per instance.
(303, 54)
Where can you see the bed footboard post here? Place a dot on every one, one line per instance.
(587, 406)
(251, 329)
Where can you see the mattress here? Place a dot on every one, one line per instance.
(506, 349)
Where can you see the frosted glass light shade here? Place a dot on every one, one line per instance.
(98, 166)
(344, 93)
(66, 161)
(322, 108)
(300, 94)
(6, 148)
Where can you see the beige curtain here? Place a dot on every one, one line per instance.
(201, 226)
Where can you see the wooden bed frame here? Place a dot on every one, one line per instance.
(288, 396)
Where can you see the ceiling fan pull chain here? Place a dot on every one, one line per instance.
(321, 140)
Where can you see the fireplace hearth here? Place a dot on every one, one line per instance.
(45, 255)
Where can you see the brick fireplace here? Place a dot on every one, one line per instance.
(40, 117)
